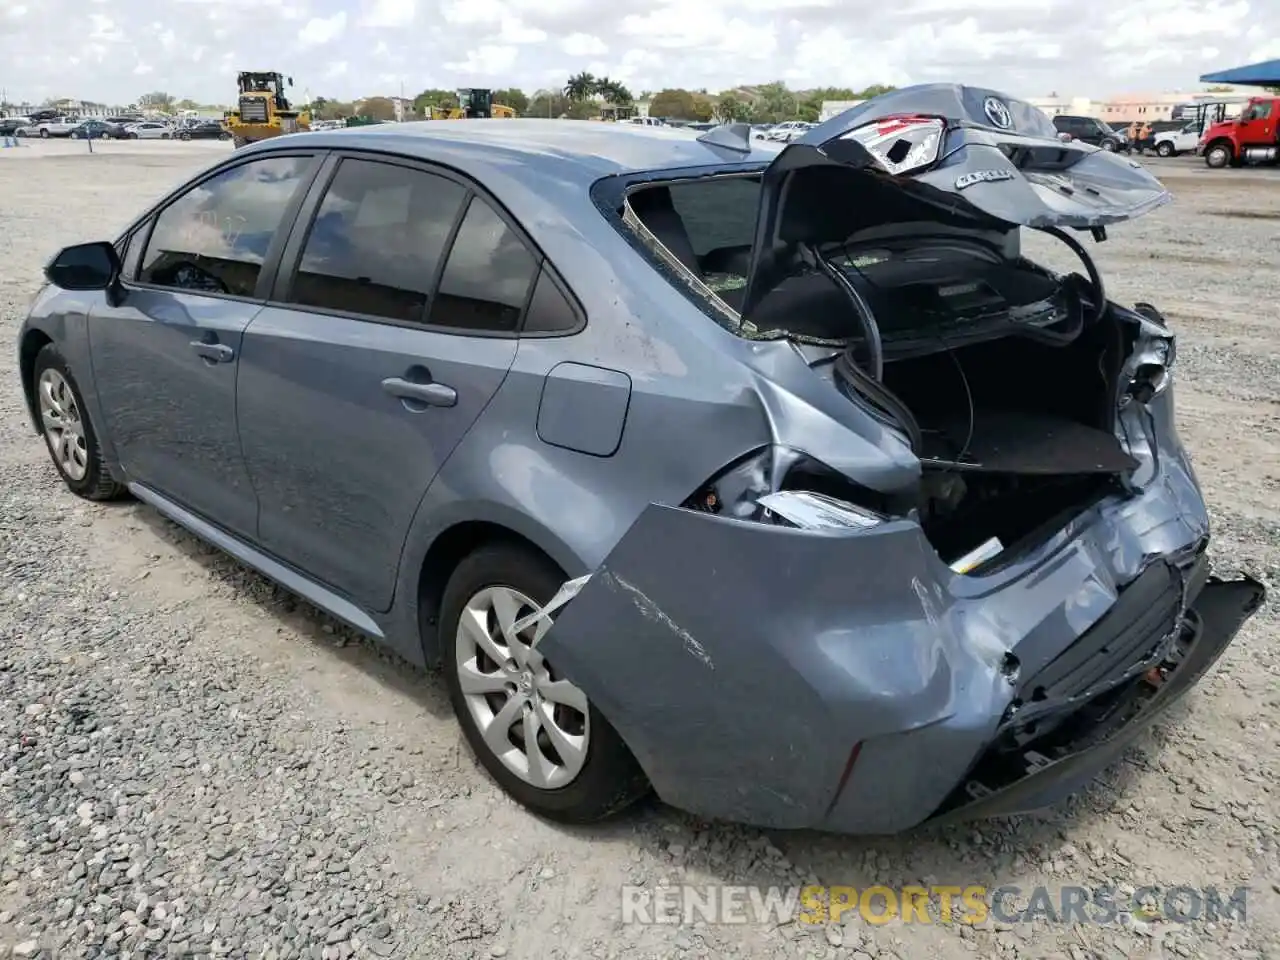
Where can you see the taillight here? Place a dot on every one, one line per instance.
(901, 144)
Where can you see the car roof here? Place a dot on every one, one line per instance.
(528, 149)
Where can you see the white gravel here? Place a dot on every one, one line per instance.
(195, 764)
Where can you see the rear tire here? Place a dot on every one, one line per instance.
(44, 134)
(1164, 149)
(608, 780)
(1109, 146)
(68, 432)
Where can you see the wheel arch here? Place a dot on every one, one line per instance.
(33, 341)
(440, 555)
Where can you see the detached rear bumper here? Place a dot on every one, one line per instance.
(1213, 621)
(852, 682)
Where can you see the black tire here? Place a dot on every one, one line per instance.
(97, 483)
(1217, 156)
(610, 779)
(1109, 146)
(1164, 149)
(184, 136)
(131, 136)
(44, 134)
(164, 136)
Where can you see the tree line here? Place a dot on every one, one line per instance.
(585, 96)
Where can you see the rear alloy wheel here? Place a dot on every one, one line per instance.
(1164, 149)
(72, 442)
(533, 730)
(1217, 156)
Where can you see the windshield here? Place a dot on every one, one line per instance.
(1105, 127)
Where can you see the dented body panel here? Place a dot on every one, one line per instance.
(776, 650)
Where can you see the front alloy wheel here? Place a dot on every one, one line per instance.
(63, 426)
(536, 724)
(68, 432)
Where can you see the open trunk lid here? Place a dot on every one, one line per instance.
(964, 155)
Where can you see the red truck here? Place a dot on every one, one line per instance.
(1253, 137)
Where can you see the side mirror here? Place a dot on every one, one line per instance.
(85, 266)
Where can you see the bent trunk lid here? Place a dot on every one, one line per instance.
(958, 154)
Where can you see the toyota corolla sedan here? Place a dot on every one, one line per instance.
(775, 480)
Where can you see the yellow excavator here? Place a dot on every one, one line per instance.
(262, 110)
(473, 103)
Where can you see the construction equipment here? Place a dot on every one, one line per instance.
(473, 103)
(262, 109)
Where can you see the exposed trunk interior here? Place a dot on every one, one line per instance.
(1003, 374)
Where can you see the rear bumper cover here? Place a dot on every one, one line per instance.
(746, 666)
(1215, 618)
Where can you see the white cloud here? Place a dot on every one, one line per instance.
(487, 61)
(390, 13)
(322, 30)
(515, 31)
(193, 48)
(583, 45)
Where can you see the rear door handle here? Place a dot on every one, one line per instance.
(432, 394)
(215, 352)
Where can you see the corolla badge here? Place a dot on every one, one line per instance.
(997, 112)
(982, 176)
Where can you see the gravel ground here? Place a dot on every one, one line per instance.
(196, 764)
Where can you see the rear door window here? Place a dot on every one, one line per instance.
(376, 243)
(488, 276)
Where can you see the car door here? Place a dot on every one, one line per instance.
(1257, 125)
(165, 351)
(357, 384)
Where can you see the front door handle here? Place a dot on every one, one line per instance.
(432, 394)
(214, 352)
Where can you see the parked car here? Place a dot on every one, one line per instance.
(58, 127)
(149, 130)
(788, 130)
(674, 510)
(125, 119)
(10, 126)
(1091, 130)
(203, 130)
(98, 130)
(1172, 143)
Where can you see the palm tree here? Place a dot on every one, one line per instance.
(612, 92)
(580, 87)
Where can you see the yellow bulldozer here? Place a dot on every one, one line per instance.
(262, 109)
(473, 103)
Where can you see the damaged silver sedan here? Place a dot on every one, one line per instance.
(776, 481)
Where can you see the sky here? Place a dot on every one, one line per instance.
(113, 51)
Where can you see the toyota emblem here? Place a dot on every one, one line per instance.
(998, 113)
